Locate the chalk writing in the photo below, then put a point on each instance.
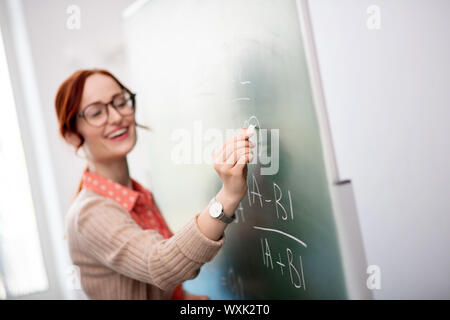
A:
(295, 266)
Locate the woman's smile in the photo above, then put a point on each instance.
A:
(118, 134)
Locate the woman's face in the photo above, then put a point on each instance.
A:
(99, 145)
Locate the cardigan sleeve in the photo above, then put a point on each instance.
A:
(108, 233)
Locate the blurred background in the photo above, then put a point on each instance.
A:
(39, 171)
(386, 90)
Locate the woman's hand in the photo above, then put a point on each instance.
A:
(230, 162)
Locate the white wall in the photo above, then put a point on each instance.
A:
(388, 97)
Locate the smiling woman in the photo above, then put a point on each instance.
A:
(73, 105)
(118, 238)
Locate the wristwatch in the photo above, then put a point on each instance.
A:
(216, 211)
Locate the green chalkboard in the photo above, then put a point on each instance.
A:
(202, 69)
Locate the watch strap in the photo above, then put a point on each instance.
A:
(225, 218)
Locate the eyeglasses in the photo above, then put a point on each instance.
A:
(97, 114)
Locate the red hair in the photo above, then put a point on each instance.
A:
(68, 100)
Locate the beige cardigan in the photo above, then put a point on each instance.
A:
(119, 260)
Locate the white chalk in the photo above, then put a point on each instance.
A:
(251, 129)
(252, 138)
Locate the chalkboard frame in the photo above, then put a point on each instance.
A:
(341, 191)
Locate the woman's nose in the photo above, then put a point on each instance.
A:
(113, 114)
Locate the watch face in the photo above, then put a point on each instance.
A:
(215, 209)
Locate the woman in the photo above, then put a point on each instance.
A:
(117, 236)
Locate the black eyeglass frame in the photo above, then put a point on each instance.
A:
(132, 98)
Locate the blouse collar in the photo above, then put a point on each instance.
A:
(126, 197)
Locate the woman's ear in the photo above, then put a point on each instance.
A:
(73, 139)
